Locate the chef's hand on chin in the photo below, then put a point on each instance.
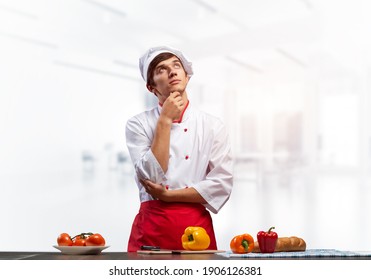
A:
(157, 191)
(173, 106)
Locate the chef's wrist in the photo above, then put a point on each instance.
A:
(166, 196)
(165, 120)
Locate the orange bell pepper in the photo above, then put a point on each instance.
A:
(195, 238)
(242, 244)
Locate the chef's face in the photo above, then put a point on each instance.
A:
(169, 76)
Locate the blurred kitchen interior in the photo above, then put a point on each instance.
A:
(290, 78)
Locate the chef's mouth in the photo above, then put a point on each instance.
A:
(174, 82)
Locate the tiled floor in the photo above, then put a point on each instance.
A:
(327, 210)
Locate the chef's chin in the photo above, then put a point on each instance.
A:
(178, 89)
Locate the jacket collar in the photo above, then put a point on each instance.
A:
(185, 114)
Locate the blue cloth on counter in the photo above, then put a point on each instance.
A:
(310, 253)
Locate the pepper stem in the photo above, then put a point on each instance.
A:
(245, 245)
(269, 230)
(190, 237)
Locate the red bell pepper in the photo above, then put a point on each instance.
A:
(267, 241)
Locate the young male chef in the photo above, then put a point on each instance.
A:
(182, 157)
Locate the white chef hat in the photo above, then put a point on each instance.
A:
(147, 58)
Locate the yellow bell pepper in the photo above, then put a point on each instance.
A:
(195, 238)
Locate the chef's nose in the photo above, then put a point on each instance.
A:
(172, 72)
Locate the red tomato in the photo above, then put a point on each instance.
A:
(95, 240)
(79, 241)
(64, 239)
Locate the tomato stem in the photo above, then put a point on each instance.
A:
(83, 235)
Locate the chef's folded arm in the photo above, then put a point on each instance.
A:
(145, 163)
(148, 168)
(215, 188)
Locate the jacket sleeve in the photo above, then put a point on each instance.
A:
(139, 145)
(217, 185)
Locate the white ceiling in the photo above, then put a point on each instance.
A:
(260, 36)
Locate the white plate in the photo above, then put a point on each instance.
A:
(80, 250)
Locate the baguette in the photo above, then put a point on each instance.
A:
(286, 244)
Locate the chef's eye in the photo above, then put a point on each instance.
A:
(177, 65)
(160, 70)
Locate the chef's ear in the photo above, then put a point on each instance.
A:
(151, 89)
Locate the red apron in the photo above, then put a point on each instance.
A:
(162, 224)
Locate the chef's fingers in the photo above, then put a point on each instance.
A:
(175, 94)
(151, 184)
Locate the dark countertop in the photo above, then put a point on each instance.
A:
(134, 256)
(105, 256)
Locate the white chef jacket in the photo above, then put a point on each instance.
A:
(200, 155)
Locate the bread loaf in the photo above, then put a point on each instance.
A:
(286, 244)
